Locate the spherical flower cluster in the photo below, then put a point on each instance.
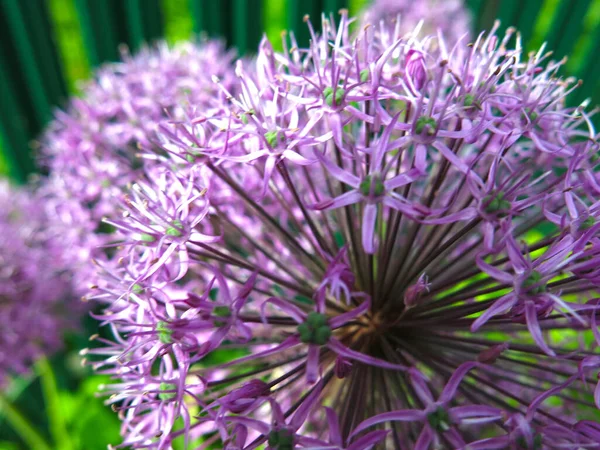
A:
(379, 240)
(450, 17)
(36, 302)
(92, 149)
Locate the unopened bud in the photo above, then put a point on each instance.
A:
(342, 367)
(414, 293)
(490, 355)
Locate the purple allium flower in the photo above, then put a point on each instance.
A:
(450, 17)
(92, 149)
(375, 241)
(36, 301)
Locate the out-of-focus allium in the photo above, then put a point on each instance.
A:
(348, 257)
(36, 301)
(92, 149)
(451, 17)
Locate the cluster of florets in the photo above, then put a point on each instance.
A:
(449, 17)
(36, 302)
(377, 240)
(92, 150)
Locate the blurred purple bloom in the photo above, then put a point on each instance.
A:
(37, 304)
(450, 17)
(92, 149)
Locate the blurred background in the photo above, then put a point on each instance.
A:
(49, 47)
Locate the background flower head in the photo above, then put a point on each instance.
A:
(37, 302)
(92, 150)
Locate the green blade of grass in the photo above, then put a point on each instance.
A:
(21, 425)
(56, 418)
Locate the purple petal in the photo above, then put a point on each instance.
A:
(306, 407)
(312, 363)
(493, 271)
(534, 328)
(368, 228)
(367, 441)
(340, 320)
(456, 378)
(544, 395)
(342, 350)
(517, 259)
(297, 158)
(383, 142)
(346, 199)
(257, 425)
(498, 307)
(424, 439)
(496, 443)
(474, 414)
(277, 414)
(398, 205)
(161, 261)
(339, 173)
(419, 384)
(421, 158)
(290, 309)
(269, 167)
(402, 415)
(455, 160)
(333, 423)
(402, 179)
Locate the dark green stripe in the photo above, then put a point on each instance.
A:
(571, 27)
(296, 11)
(135, 22)
(30, 69)
(474, 7)
(247, 26)
(143, 22)
(525, 19)
(99, 30)
(488, 15)
(13, 127)
(153, 19)
(507, 11)
(590, 73)
(334, 6)
(69, 39)
(44, 44)
(213, 18)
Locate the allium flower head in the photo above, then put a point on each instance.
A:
(92, 149)
(36, 301)
(380, 240)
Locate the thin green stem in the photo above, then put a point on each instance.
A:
(56, 418)
(21, 425)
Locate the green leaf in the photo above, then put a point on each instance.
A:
(21, 425)
(92, 424)
(54, 407)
